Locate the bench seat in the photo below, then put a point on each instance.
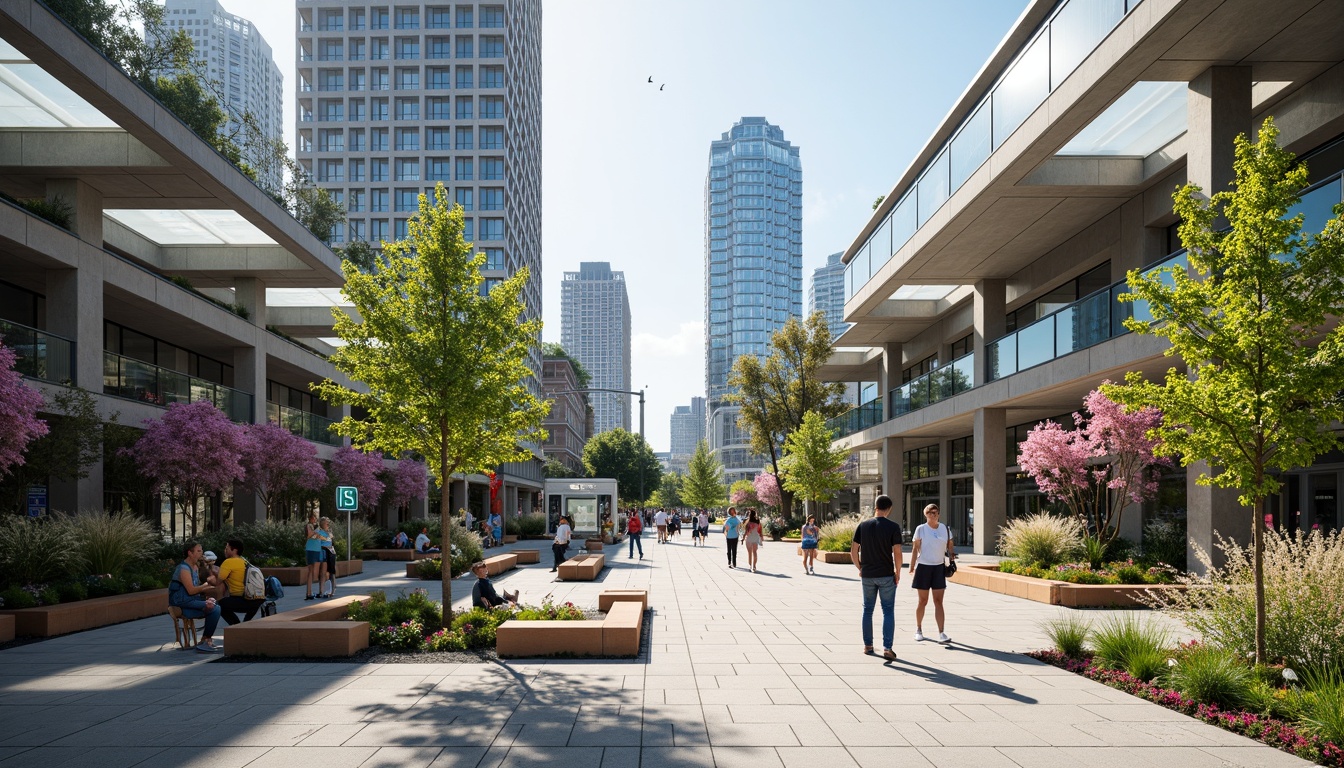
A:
(582, 567)
(314, 631)
(527, 556)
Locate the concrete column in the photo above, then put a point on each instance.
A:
(251, 293)
(890, 376)
(990, 497)
(1139, 244)
(249, 375)
(1210, 511)
(75, 311)
(86, 207)
(1217, 109)
(893, 474)
(989, 320)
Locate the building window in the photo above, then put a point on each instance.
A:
(464, 77)
(494, 258)
(492, 199)
(492, 17)
(492, 169)
(492, 47)
(437, 108)
(356, 170)
(438, 169)
(492, 137)
(408, 48)
(464, 198)
(378, 109)
(463, 170)
(358, 201)
(408, 18)
(378, 140)
(466, 47)
(439, 48)
(438, 79)
(408, 170)
(464, 17)
(408, 109)
(438, 18)
(378, 169)
(962, 346)
(492, 229)
(378, 230)
(408, 200)
(330, 170)
(438, 138)
(492, 77)
(379, 18)
(961, 455)
(492, 107)
(464, 138)
(378, 200)
(464, 106)
(408, 79)
(921, 463)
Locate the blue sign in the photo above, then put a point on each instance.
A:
(37, 500)
(347, 498)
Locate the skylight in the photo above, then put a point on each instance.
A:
(303, 297)
(922, 292)
(31, 98)
(1139, 123)
(179, 227)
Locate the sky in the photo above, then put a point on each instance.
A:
(859, 85)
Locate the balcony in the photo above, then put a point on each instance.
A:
(41, 355)
(857, 419)
(146, 383)
(307, 425)
(936, 385)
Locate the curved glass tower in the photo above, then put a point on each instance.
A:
(753, 267)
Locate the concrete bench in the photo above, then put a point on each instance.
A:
(500, 563)
(593, 545)
(314, 631)
(297, 576)
(582, 567)
(616, 634)
(395, 554)
(527, 556)
(63, 618)
(621, 628)
(6, 627)
(612, 596)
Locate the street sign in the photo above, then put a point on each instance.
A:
(347, 498)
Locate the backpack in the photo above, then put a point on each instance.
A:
(274, 591)
(254, 583)
(633, 525)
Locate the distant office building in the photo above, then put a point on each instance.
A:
(827, 293)
(231, 54)
(569, 423)
(753, 267)
(687, 429)
(595, 329)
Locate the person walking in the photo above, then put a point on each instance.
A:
(633, 528)
(876, 552)
(730, 530)
(811, 534)
(702, 522)
(561, 543)
(932, 542)
(660, 522)
(753, 536)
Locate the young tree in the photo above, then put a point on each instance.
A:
(703, 485)
(743, 494)
(405, 482)
(812, 466)
(624, 455)
(277, 463)
(192, 450)
(1101, 467)
(767, 489)
(19, 404)
(446, 364)
(775, 393)
(363, 470)
(669, 492)
(1257, 329)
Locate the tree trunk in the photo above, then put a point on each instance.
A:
(1258, 543)
(445, 537)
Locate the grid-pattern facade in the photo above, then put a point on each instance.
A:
(688, 427)
(827, 293)
(233, 56)
(595, 329)
(753, 266)
(568, 422)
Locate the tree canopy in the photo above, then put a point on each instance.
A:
(622, 455)
(812, 467)
(703, 485)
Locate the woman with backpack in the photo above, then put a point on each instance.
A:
(752, 537)
(633, 528)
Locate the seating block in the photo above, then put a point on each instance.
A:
(500, 563)
(582, 567)
(315, 631)
(526, 556)
(6, 627)
(64, 618)
(395, 554)
(593, 545)
(620, 629)
(617, 634)
(607, 598)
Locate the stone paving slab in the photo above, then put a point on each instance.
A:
(741, 669)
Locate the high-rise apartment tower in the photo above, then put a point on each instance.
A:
(827, 293)
(595, 330)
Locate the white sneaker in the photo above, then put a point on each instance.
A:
(943, 638)
(919, 636)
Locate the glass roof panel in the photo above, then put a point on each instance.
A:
(922, 292)
(1139, 123)
(303, 297)
(202, 227)
(30, 97)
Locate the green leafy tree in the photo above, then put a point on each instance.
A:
(73, 442)
(669, 491)
(776, 392)
(703, 486)
(1257, 330)
(812, 466)
(555, 468)
(445, 365)
(361, 254)
(623, 455)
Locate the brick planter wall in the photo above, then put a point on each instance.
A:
(52, 620)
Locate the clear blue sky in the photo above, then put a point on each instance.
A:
(859, 85)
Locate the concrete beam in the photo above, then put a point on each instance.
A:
(1065, 171)
(305, 321)
(74, 150)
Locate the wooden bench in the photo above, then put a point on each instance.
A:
(616, 634)
(582, 567)
(621, 628)
(612, 596)
(64, 618)
(313, 631)
(395, 554)
(593, 545)
(500, 563)
(6, 627)
(527, 556)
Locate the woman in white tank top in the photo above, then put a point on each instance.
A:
(932, 542)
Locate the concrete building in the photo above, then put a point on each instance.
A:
(753, 268)
(982, 292)
(237, 63)
(393, 100)
(595, 329)
(570, 422)
(102, 303)
(687, 430)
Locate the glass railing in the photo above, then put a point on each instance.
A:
(136, 380)
(307, 425)
(40, 355)
(936, 385)
(1073, 31)
(1090, 320)
(857, 419)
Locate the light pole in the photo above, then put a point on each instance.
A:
(639, 392)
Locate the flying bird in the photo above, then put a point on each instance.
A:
(650, 78)
(661, 87)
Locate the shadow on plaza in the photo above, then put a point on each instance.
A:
(950, 680)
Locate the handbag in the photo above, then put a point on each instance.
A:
(951, 568)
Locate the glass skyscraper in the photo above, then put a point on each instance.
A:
(753, 267)
(827, 293)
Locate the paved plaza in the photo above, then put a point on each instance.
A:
(754, 670)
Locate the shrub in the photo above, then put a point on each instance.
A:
(1077, 573)
(511, 527)
(1321, 706)
(533, 524)
(56, 210)
(446, 640)
(362, 536)
(465, 548)
(1129, 573)
(17, 597)
(380, 612)
(1304, 599)
(478, 626)
(72, 591)
(273, 539)
(776, 527)
(1093, 551)
(1041, 539)
(406, 636)
(1211, 675)
(1068, 634)
(1164, 541)
(111, 543)
(1147, 664)
(35, 551)
(550, 612)
(1125, 640)
(838, 534)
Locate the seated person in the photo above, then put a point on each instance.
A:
(209, 571)
(401, 540)
(185, 591)
(230, 595)
(487, 539)
(483, 594)
(422, 542)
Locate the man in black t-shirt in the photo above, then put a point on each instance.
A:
(876, 552)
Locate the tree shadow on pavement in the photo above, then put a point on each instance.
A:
(950, 680)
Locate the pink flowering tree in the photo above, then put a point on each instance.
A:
(278, 465)
(743, 494)
(191, 451)
(1101, 467)
(408, 480)
(767, 489)
(360, 469)
(19, 404)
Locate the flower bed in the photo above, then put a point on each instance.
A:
(1268, 730)
(1055, 592)
(1119, 572)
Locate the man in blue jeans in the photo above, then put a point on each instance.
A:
(876, 552)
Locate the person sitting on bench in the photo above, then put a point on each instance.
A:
(422, 542)
(401, 540)
(483, 594)
(232, 574)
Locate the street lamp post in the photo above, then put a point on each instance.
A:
(639, 392)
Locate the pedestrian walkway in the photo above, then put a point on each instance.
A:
(756, 670)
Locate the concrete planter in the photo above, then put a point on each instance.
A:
(314, 631)
(617, 634)
(6, 628)
(53, 620)
(593, 545)
(1052, 592)
(834, 558)
(297, 576)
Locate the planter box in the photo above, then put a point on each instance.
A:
(316, 631)
(500, 563)
(617, 634)
(1053, 592)
(510, 538)
(582, 568)
(593, 545)
(297, 576)
(395, 554)
(834, 558)
(52, 620)
(613, 596)
(6, 628)
(527, 556)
